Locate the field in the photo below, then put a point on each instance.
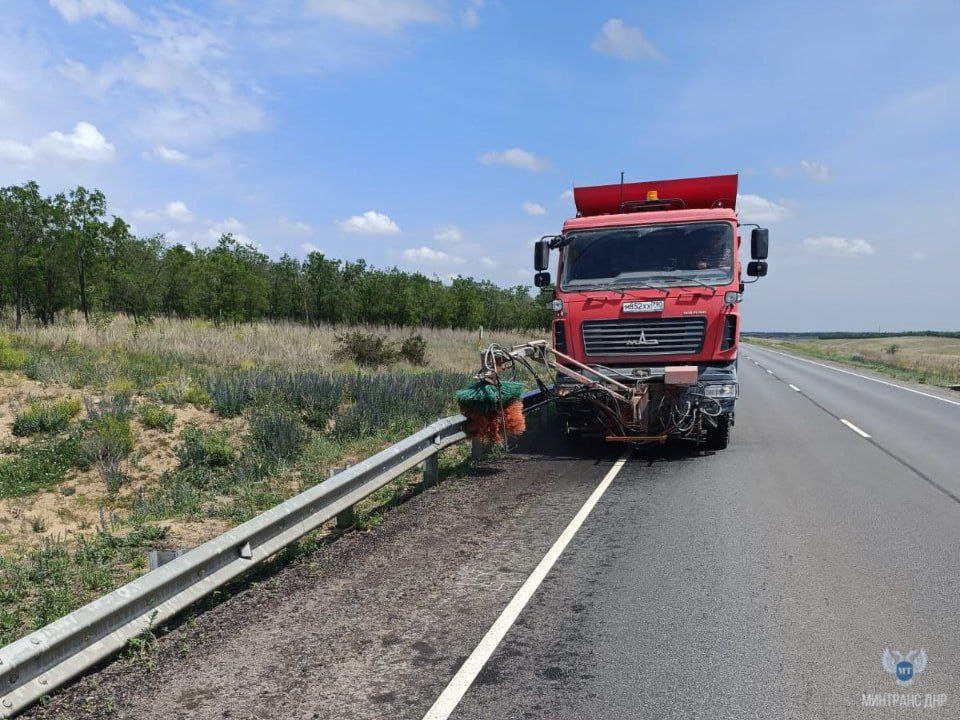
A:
(117, 438)
(926, 359)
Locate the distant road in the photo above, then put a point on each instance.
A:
(764, 581)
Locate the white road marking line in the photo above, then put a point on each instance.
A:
(794, 387)
(853, 427)
(461, 682)
(865, 377)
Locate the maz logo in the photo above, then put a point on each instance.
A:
(642, 340)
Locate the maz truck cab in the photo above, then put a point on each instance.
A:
(648, 288)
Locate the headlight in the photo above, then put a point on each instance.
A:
(556, 305)
(726, 390)
(732, 297)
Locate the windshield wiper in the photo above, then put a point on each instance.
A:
(686, 280)
(643, 284)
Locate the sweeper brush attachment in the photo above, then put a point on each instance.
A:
(493, 408)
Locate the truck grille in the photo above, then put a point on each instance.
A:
(663, 336)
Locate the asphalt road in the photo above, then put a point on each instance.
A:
(760, 582)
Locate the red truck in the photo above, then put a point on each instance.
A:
(648, 294)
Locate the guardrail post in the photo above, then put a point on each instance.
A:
(431, 470)
(478, 451)
(346, 518)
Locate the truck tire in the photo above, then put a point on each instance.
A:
(717, 438)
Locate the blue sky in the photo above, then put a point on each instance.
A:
(440, 135)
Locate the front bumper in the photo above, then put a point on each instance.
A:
(717, 376)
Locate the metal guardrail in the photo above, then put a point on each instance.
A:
(40, 662)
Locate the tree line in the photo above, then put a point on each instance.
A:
(64, 253)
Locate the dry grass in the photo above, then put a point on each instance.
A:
(281, 345)
(935, 360)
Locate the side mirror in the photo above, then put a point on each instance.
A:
(541, 256)
(542, 279)
(757, 269)
(759, 243)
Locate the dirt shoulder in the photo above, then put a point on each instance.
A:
(373, 625)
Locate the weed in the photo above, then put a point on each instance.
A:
(117, 405)
(205, 447)
(46, 416)
(197, 396)
(891, 349)
(109, 436)
(38, 524)
(276, 433)
(157, 417)
(142, 648)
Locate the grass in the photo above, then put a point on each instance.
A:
(55, 578)
(924, 359)
(264, 410)
(41, 466)
(46, 416)
(163, 345)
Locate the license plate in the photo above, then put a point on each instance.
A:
(643, 306)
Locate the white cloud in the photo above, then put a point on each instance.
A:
(309, 247)
(84, 144)
(370, 223)
(818, 171)
(426, 254)
(532, 208)
(178, 211)
(515, 157)
(487, 262)
(184, 83)
(754, 208)
(471, 14)
(448, 233)
(164, 154)
(113, 11)
(566, 196)
(294, 227)
(625, 42)
(380, 15)
(838, 246)
(229, 226)
(16, 152)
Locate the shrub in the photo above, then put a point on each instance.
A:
(110, 438)
(119, 405)
(197, 396)
(366, 349)
(414, 350)
(46, 416)
(171, 392)
(12, 358)
(891, 349)
(277, 433)
(157, 417)
(208, 448)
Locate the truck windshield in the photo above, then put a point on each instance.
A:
(700, 253)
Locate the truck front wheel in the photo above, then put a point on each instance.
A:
(717, 438)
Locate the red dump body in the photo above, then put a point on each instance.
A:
(696, 325)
